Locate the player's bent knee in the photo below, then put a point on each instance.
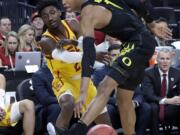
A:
(26, 105)
(67, 101)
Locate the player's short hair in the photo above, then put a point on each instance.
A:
(114, 47)
(45, 3)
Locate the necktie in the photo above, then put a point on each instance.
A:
(163, 94)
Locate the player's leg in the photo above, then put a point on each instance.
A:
(127, 111)
(25, 107)
(99, 102)
(103, 118)
(66, 102)
(96, 106)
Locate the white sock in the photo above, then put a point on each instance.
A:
(51, 129)
(2, 98)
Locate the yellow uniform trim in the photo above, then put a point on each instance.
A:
(108, 2)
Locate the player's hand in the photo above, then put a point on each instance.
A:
(82, 97)
(103, 57)
(64, 42)
(2, 113)
(79, 105)
(161, 31)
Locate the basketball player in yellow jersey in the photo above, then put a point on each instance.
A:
(64, 63)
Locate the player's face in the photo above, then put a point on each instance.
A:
(72, 5)
(51, 16)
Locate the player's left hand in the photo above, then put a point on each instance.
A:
(79, 105)
(161, 31)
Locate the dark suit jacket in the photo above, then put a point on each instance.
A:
(138, 95)
(42, 84)
(151, 84)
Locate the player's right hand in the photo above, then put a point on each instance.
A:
(79, 105)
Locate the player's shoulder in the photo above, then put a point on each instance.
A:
(88, 12)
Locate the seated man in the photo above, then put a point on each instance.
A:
(10, 115)
(143, 111)
(161, 86)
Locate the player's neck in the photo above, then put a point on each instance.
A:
(59, 32)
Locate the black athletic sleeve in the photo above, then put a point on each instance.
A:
(89, 56)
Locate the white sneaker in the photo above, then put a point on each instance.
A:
(51, 129)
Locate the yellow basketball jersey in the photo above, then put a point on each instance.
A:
(60, 68)
(67, 77)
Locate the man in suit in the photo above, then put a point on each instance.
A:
(143, 111)
(41, 81)
(161, 86)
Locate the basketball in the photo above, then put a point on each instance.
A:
(102, 129)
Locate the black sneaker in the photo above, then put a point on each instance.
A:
(78, 129)
(53, 130)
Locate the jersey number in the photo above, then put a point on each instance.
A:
(77, 67)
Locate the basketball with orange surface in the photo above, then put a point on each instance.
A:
(102, 129)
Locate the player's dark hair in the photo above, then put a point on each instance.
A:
(114, 47)
(44, 3)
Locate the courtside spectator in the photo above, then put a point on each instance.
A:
(5, 27)
(161, 87)
(38, 24)
(26, 34)
(11, 45)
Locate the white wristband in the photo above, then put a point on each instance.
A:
(69, 57)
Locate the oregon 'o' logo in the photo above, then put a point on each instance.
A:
(127, 61)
